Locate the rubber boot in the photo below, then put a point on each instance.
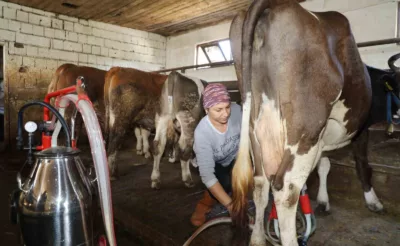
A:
(202, 208)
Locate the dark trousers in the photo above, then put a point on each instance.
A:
(224, 176)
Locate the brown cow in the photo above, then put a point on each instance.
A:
(66, 76)
(131, 98)
(298, 72)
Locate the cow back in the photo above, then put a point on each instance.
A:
(147, 82)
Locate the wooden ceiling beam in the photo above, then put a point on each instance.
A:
(166, 17)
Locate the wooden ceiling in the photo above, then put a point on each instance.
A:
(165, 17)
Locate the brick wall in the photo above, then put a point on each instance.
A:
(37, 42)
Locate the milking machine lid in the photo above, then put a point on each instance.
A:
(57, 152)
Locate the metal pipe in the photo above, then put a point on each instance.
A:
(214, 64)
(378, 42)
(228, 63)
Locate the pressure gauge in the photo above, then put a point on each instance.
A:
(30, 126)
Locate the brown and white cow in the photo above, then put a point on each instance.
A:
(298, 72)
(180, 112)
(131, 99)
(66, 76)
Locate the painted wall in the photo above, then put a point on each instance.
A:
(369, 19)
(37, 42)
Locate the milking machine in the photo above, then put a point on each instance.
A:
(54, 204)
(305, 222)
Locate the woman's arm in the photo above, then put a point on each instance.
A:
(219, 193)
(206, 163)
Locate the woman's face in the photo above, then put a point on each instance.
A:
(220, 112)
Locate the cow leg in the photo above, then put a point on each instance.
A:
(160, 140)
(287, 197)
(138, 141)
(185, 144)
(364, 171)
(145, 137)
(261, 195)
(119, 122)
(322, 197)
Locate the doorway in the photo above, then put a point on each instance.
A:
(2, 128)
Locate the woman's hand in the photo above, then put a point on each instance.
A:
(222, 197)
(229, 207)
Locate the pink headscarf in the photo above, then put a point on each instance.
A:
(215, 93)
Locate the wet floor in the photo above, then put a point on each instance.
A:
(161, 217)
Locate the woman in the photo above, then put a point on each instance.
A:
(216, 143)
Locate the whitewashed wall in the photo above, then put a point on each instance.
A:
(181, 52)
(37, 42)
(370, 20)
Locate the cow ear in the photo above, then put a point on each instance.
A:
(391, 62)
(388, 82)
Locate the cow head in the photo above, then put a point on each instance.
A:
(394, 79)
(396, 75)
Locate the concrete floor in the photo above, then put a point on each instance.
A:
(161, 217)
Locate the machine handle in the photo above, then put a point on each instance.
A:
(19, 178)
(20, 184)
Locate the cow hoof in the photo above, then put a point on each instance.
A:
(322, 210)
(189, 184)
(147, 155)
(155, 185)
(171, 160)
(376, 208)
(139, 152)
(256, 241)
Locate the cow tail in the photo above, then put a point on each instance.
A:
(242, 173)
(53, 83)
(107, 106)
(391, 62)
(170, 124)
(170, 134)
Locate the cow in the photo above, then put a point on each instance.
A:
(377, 114)
(298, 72)
(131, 98)
(66, 75)
(179, 113)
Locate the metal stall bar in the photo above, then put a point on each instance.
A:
(379, 42)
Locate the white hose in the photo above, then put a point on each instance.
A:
(218, 221)
(308, 223)
(57, 129)
(100, 161)
(210, 223)
(276, 228)
(73, 124)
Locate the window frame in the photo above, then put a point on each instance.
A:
(205, 45)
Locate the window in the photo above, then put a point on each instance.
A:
(216, 51)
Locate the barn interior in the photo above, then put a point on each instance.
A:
(190, 37)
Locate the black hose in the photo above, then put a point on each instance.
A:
(20, 141)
